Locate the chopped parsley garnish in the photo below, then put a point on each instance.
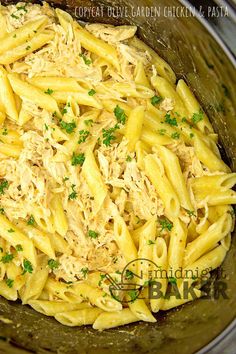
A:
(84, 271)
(19, 248)
(23, 8)
(5, 131)
(165, 224)
(69, 127)
(77, 159)
(191, 212)
(120, 114)
(9, 282)
(46, 126)
(14, 16)
(161, 131)
(108, 135)
(184, 120)
(11, 230)
(91, 92)
(28, 47)
(64, 111)
(3, 185)
(53, 264)
(150, 242)
(27, 267)
(128, 158)
(2, 211)
(31, 220)
(65, 179)
(175, 135)
(129, 274)
(102, 276)
(170, 121)
(7, 258)
(191, 135)
(1, 249)
(93, 234)
(49, 91)
(172, 280)
(226, 90)
(73, 194)
(197, 117)
(83, 136)
(133, 294)
(88, 122)
(85, 59)
(155, 100)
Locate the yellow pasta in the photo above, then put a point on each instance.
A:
(113, 319)
(163, 186)
(113, 192)
(95, 45)
(32, 93)
(25, 49)
(7, 97)
(174, 173)
(14, 236)
(21, 34)
(134, 127)
(193, 106)
(93, 178)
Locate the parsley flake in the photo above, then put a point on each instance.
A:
(9, 282)
(150, 242)
(197, 117)
(77, 159)
(120, 114)
(91, 92)
(3, 185)
(73, 194)
(175, 135)
(31, 220)
(83, 136)
(191, 212)
(84, 271)
(128, 158)
(11, 230)
(53, 264)
(85, 59)
(129, 274)
(108, 135)
(5, 131)
(19, 248)
(27, 267)
(88, 122)
(165, 224)
(133, 294)
(93, 234)
(7, 258)
(2, 211)
(161, 131)
(69, 127)
(49, 91)
(172, 280)
(102, 276)
(170, 121)
(155, 100)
